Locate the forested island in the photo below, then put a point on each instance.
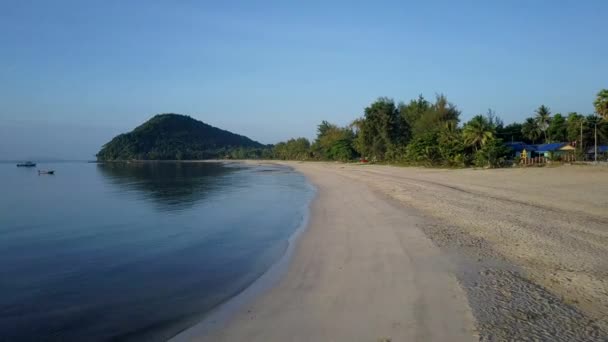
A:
(419, 132)
(177, 137)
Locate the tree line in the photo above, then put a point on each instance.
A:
(423, 132)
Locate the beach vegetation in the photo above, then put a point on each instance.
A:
(492, 154)
(419, 132)
(333, 143)
(543, 118)
(512, 132)
(557, 130)
(478, 132)
(531, 130)
(293, 149)
(601, 103)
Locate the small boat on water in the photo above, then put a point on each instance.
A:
(26, 164)
(46, 172)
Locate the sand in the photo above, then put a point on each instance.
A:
(408, 254)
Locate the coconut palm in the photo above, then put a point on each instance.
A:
(543, 117)
(601, 104)
(531, 130)
(478, 132)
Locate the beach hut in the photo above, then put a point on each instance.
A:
(555, 150)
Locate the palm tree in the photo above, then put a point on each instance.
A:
(543, 116)
(531, 130)
(601, 104)
(478, 132)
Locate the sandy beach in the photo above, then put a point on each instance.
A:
(408, 254)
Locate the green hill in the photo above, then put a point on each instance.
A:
(174, 137)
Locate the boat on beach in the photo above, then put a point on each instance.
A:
(46, 172)
(26, 164)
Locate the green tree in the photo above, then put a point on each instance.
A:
(494, 120)
(440, 147)
(439, 113)
(574, 123)
(493, 154)
(511, 132)
(601, 103)
(478, 132)
(292, 149)
(452, 149)
(593, 122)
(414, 110)
(424, 149)
(543, 117)
(324, 127)
(531, 130)
(334, 143)
(381, 130)
(558, 129)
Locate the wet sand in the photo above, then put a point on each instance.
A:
(407, 254)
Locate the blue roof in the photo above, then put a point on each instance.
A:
(519, 146)
(550, 147)
(600, 149)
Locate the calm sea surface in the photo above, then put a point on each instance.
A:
(136, 251)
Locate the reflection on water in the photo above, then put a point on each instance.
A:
(136, 251)
(173, 186)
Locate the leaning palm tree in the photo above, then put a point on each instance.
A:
(601, 104)
(543, 117)
(530, 130)
(478, 132)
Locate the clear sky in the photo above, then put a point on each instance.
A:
(75, 73)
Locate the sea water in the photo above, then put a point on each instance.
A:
(136, 251)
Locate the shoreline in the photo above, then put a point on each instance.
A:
(428, 254)
(348, 282)
(219, 316)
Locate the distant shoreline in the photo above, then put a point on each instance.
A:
(165, 161)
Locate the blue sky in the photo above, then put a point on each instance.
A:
(75, 73)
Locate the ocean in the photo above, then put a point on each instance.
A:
(137, 251)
